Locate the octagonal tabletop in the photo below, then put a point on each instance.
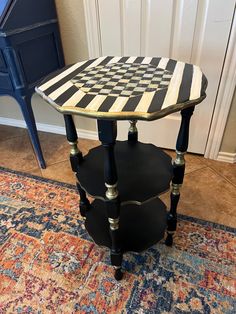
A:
(142, 88)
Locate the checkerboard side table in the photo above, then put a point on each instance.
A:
(125, 178)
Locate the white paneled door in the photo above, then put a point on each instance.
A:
(195, 31)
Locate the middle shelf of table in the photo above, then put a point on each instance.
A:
(144, 172)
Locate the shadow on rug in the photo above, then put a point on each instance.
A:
(48, 263)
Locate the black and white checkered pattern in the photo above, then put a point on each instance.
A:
(125, 87)
(122, 79)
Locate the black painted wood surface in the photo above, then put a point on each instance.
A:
(144, 171)
(107, 132)
(183, 136)
(141, 226)
(178, 173)
(71, 133)
(17, 14)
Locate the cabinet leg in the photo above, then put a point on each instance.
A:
(178, 173)
(133, 132)
(107, 131)
(26, 109)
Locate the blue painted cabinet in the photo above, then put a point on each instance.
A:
(30, 49)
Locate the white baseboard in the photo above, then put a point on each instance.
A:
(227, 157)
(82, 133)
(91, 135)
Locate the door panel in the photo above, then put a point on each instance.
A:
(156, 27)
(214, 19)
(110, 27)
(131, 27)
(195, 31)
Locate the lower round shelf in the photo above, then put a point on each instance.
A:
(141, 226)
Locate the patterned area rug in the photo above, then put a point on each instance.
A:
(49, 264)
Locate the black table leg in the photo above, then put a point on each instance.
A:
(107, 131)
(76, 158)
(133, 132)
(178, 170)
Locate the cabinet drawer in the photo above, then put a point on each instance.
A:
(2, 62)
(5, 81)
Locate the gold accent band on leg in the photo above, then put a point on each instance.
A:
(74, 150)
(133, 128)
(170, 232)
(114, 223)
(111, 192)
(179, 160)
(176, 189)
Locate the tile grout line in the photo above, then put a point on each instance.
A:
(11, 138)
(55, 163)
(196, 170)
(14, 137)
(206, 165)
(222, 176)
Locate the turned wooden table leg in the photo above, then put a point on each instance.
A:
(178, 173)
(76, 158)
(133, 132)
(107, 135)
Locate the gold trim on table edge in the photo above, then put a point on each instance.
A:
(129, 202)
(123, 115)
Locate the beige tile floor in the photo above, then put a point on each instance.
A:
(208, 192)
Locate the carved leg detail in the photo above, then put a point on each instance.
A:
(84, 203)
(107, 135)
(113, 210)
(76, 158)
(133, 132)
(178, 173)
(172, 215)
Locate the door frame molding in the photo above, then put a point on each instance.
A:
(91, 12)
(224, 98)
(226, 86)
